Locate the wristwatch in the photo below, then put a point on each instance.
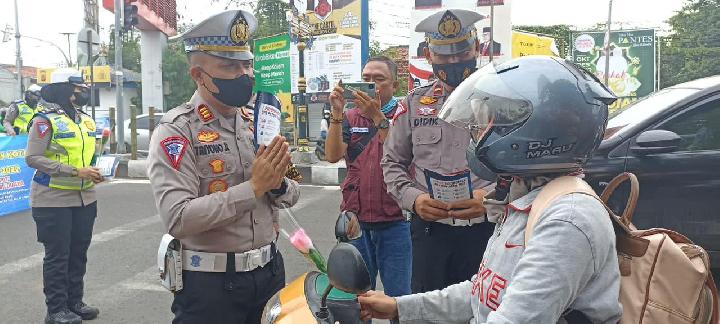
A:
(383, 124)
(75, 172)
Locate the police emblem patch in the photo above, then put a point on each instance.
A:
(449, 25)
(195, 261)
(401, 109)
(175, 148)
(425, 100)
(217, 165)
(218, 185)
(426, 111)
(42, 128)
(90, 125)
(205, 113)
(239, 30)
(208, 136)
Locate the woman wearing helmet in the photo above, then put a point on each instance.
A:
(61, 147)
(532, 120)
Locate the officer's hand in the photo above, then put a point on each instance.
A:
(375, 304)
(265, 173)
(337, 101)
(430, 209)
(89, 173)
(370, 107)
(470, 208)
(10, 131)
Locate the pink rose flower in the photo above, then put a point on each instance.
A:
(301, 241)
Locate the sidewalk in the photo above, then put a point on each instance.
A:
(316, 172)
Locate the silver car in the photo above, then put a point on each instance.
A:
(143, 132)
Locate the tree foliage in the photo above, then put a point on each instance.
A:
(271, 18)
(693, 49)
(130, 50)
(561, 33)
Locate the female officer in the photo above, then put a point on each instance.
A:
(61, 147)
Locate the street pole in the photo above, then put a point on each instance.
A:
(607, 44)
(69, 53)
(91, 63)
(119, 79)
(301, 115)
(18, 62)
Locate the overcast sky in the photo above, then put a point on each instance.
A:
(46, 19)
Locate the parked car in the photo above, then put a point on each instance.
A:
(143, 132)
(671, 141)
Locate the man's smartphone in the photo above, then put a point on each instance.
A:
(367, 87)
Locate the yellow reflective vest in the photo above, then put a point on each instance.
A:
(73, 144)
(25, 115)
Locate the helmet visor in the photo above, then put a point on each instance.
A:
(483, 102)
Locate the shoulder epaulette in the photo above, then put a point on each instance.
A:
(176, 112)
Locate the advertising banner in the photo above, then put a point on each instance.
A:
(631, 66)
(524, 44)
(272, 63)
(421, 70)
(333, 57)
(15, 175)
(102, 74)
(335, 52)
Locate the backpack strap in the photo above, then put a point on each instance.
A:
(357, 148)
(553, 190)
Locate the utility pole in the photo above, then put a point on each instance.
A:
(69, 53)
(607, 44)
(18, 59)
(119, 78)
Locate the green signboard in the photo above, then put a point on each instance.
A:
(631, 65)
(272, 64)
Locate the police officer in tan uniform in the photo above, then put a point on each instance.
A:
(61, 148)
(214, 192)
(448, 238)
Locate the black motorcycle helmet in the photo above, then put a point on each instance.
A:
(534, 115)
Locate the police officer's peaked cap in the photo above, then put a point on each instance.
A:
(450, 31)
(226, 35)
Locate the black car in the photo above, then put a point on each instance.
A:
(671, 141)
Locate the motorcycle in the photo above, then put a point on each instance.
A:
(325, 298)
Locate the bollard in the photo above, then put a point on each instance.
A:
(133, 132)
(151, 122)
(113, 140)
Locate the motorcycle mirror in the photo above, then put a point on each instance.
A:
(347, 227)
(347, 270)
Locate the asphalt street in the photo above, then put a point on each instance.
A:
(122, 278)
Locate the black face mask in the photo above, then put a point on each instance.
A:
(31, 100)
(453, 74)
(81, 99)
(233, 92)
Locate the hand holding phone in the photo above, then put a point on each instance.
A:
(350, 87)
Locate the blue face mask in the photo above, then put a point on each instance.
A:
(389, 106)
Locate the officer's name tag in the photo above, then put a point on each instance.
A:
(359, 130)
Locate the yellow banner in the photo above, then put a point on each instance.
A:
(287, 106)
(102, 74)
(344, 20)
(524, 44)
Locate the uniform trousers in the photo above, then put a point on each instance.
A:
(66, 233)
(217, 298)
(444, 255)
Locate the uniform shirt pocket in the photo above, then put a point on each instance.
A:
(426, 147)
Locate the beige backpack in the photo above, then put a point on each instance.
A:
(665, 278)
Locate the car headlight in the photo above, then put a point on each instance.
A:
(272, 309)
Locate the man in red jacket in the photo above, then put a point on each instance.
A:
(358, 135)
